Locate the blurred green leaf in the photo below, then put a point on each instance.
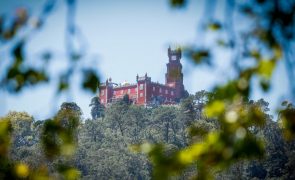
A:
(214, 109)
(255, 54)
(68, 172)
(18, 53)
(178, 3)
(214, 26)
(22, 170)
(5, 133)
(231, 90)
(264, 84)
(265, 68)
(63, 82)
(90, 80)
(199, 56)
(58, 136)
(287, 118)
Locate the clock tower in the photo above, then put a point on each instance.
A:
(174, 76)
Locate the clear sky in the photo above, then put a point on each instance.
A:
(123, 38)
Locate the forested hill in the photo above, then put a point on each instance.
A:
(104, 142)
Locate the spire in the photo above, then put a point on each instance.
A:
(169, 51)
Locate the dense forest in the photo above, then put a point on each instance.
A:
(106, 143)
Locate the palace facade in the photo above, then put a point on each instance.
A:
(145, 91)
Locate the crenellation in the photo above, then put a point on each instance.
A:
(145, 91)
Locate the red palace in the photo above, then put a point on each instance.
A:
(145, 91)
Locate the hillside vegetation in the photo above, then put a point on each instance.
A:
(106, 145)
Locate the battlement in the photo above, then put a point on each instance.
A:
(144, 91)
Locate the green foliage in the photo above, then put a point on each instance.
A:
(218, 149)
(214, 26)
(19, 72)
(221, 143)
(287, 120)
(178, 3)
(97, 109)
(91, 80)
(5, 133)
(236, 117)
(59, 133)
(58, 139)
(175, 139)
(19, 75)
(199, 56)
(126, 99)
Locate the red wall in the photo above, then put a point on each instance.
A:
(149, 90)
(154, 90)
(119, 92)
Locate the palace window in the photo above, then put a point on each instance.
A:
(128, 91)
(102, 92)
(173, 57)
(141, 95)
(154, 88)
(172, 93)
(160, 90)
(141, 87)
(166, 91)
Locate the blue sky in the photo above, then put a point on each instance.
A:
(123, 38)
